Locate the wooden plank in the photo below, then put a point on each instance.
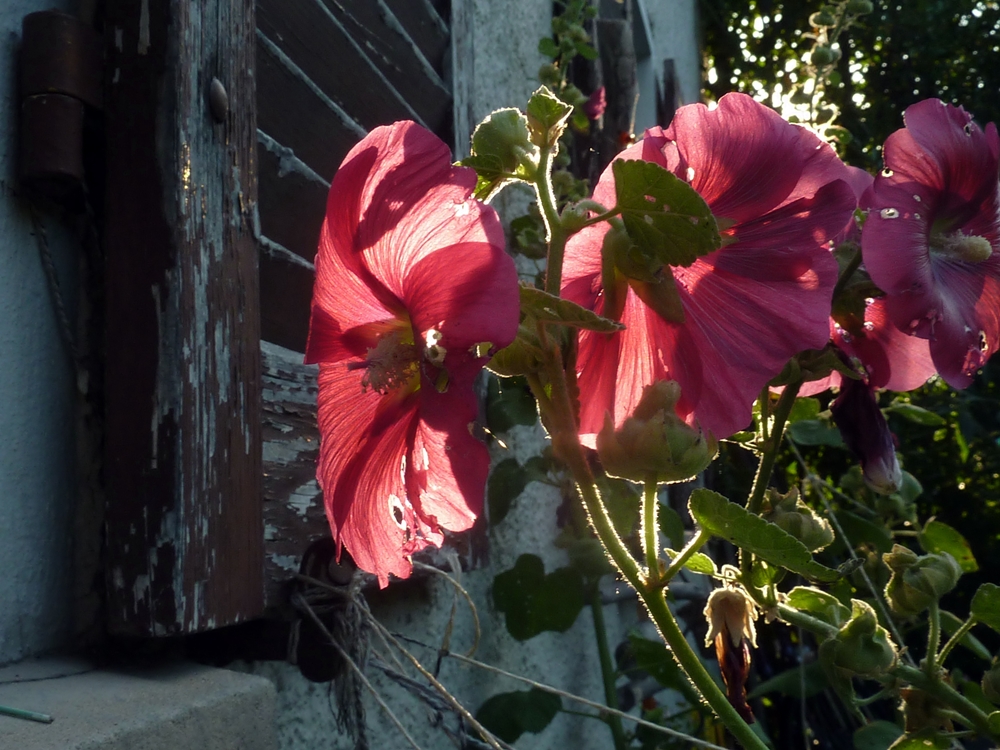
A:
(425, 27)
(317, 45)
(390, 48)
(292, 201)
(286, 283)
(291, 112)
(184, 529)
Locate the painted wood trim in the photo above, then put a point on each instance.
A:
(184, 534)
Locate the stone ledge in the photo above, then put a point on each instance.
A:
(179, 705)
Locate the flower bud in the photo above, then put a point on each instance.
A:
(867, 435)
(823, 55)
(822, 18)
(792, 515)
(861, 648)
(654, 440)
(549, 75)
(991, 682)
(918, 581)
(860, 7)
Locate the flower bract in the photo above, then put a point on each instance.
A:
(779, 195)
(413, 292)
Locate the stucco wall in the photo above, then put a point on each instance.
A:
(37, 397)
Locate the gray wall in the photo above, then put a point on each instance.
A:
(37, 400)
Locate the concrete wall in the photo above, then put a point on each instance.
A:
(37, 399)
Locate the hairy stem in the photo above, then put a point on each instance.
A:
(607, 670)
(555, 233)
(696, 543)
(955, 639)
(933, 639)
(650, 535)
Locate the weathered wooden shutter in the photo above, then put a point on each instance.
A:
(327, 72)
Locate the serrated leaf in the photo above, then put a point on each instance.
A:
(507, 480)
(671, 525)
(917, 415)
(533, 601)
(803, 408)
(940, 537)
(699, 562)
(815, 432)
(825, 606)
(791, 682)
(548, 47)
(665, 217)
(950, 623)
(986, 605)
(502, 151)
(878, 735)
(721, 518)
(547, 116)
(544, 306)
(509, 715)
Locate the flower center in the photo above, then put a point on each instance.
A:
(391, 364)
(957, 246)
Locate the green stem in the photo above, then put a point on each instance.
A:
(599, 218)
(956, 637)
(650, 535)
(807, 622)
(607, 670)
(555, 233)
(853, 264)
(700, 538)
(933, 639)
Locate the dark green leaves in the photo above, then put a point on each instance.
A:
(792, 681)
(508, 480)
(986, 605)
(815, 432)
(732, 522)
(509, 715)
(878, 735)
(665, 217)
(534, 602)
(509, 402)
(940, 537)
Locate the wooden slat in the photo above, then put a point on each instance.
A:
(184, 542)
(315, 42)
(285, 294)
(390, 48)
(292, 203)
(424, 25)
(291, 113)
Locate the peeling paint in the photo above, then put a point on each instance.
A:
(304, 497)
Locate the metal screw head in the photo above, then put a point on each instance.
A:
(218, 100)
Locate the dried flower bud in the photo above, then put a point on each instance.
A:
(730, 614)
(923, 711)
(918, 581)
(789, 513)
(654, 440)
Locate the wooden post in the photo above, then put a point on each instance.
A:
(184, 530)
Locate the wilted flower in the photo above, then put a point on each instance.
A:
(779, 195)
(730, 614)
(413, 291)
(932, 230)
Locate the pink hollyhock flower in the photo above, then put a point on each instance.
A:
(597, 102)
(413, 291)
(779, 195)
(931, 236)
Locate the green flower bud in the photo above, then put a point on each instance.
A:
(654, 440)
(860, 7)
(991, 682)
(792, 515)
(549, 75)
(918, 581)
(862, 647)
(823, 55)
(823, 18)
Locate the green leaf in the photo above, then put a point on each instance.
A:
(926, 740)
(665, 217)
(734, 523)
(940, 537)
(791, 682)
(534, 602)
(547, 307)
(509, 715)
(586, 51)
(623, 503)
(917, 414)
(588, 557)
(858, 530)
(509, 402)
(655, 659)
(671, 525)
(548, 47)
(910, 489)
(815, 432)
(507, 480)
(803, 408)
(950, 623)
(985, 605)
(501, 151)
(699, 562)
(819, 603)
(878, 735)
(547, 115)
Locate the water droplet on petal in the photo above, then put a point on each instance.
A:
(869, 326)
(917, 198)
(968, 129)
(690, 174)
(914, 323)
(984, 345)
(889, 213)
(916, 216)
(887, 172)
(693, 219)
(462, 209)
(869, 301)
(846, 337)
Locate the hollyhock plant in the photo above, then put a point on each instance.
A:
(931, 236)
(413, 292)
(779, 195)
